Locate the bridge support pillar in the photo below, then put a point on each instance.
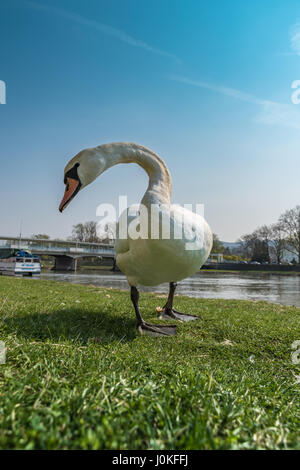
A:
(65, 263)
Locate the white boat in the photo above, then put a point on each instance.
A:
(20, 262)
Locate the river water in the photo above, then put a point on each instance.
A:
(282, 289)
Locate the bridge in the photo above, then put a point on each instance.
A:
(65, 252)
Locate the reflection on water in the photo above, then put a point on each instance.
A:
(283, 289)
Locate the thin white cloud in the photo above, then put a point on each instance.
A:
(240, 95)
(270, 112)
(102, 28)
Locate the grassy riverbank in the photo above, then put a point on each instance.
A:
(77, 375)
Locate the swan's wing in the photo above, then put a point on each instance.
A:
(162, 258)
(122, 239)
(121, 246)
(196, 234)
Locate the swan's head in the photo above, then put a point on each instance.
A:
(81, 171)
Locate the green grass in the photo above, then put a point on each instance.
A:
(77, 375)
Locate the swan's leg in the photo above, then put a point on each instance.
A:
(145, 328)
(170, 313)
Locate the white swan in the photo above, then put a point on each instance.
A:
(154, 257)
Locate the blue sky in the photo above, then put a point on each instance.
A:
(207, 85)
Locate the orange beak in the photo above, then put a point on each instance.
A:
(72, 188)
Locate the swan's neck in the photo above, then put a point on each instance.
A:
(160, 183)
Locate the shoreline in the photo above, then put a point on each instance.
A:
(206, 271)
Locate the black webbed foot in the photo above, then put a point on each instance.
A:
(156, 330)
(172, 314)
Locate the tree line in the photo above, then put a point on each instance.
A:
(271, 241)
(88, 232)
